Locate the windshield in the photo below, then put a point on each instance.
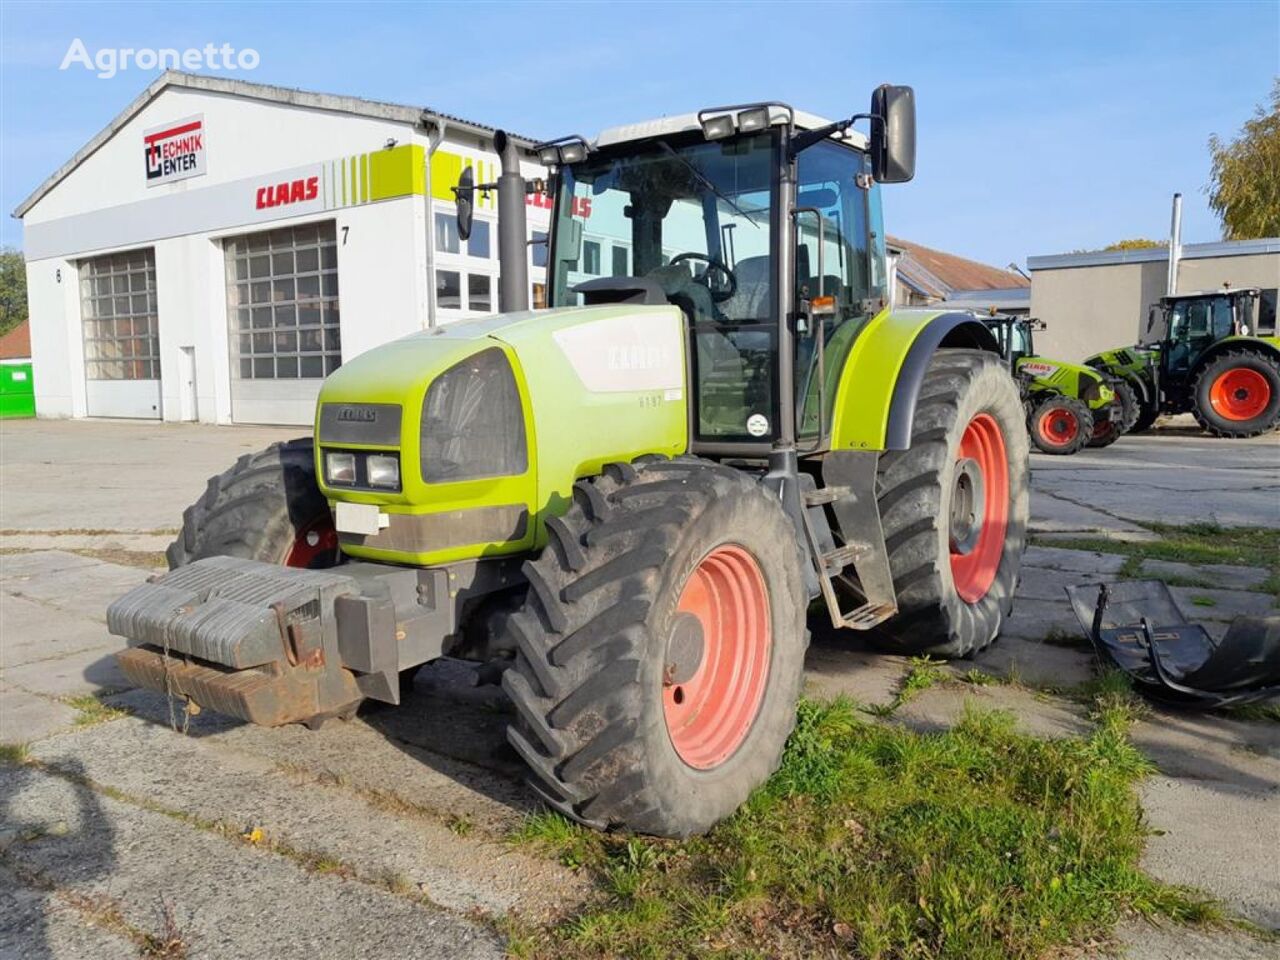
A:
(664, 211)
(696, 218)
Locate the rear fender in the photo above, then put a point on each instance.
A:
(875, 400)
(1266, 346)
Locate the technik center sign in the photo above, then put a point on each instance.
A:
(175, 150)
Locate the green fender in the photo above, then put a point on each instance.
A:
(1084, 383)
(1268, 346)
(885, 359)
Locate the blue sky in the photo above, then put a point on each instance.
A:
(1043, 127)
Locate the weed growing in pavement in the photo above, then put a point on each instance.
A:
(1202, 601)
(881, 842)
(1195, 543)
(12, 754)
(92, 709)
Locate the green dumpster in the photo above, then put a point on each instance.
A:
(17, 391)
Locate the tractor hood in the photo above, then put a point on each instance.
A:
(1071, 379)
(501, 413)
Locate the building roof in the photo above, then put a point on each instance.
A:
(16, 344)
(1190, 251)
(937, 274)
(1002, 298)
(333, 103)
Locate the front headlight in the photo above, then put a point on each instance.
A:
(340, 467)
(384, 471)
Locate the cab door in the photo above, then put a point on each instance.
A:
(1191, 331)
(835, 283)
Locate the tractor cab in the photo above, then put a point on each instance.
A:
(763, 225)
(1186, 325)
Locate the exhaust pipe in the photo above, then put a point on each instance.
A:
(1175, 246)
(513, 260)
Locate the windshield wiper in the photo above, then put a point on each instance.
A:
(707, 183)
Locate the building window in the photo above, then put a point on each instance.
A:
(478, 242)
(448, 290)
(591, 258)
(447, 233)
(480, 293)
(539, 248)
(282, 303)
(118, 303)
(620, 262)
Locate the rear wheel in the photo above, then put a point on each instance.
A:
(1237, 394)
(954, 508)
(267, 507)
(1059, 424)
(660, 649)
(1130, 405)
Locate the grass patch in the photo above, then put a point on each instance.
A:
(91, 709)
(13, 754)
(1255, 712)
(1202, 601)
(880, 842)
(1196, 543)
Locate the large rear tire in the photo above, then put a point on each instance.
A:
(266, 507)
(1237, 394)
(660, 650)
(954, 508)
(1060, 425)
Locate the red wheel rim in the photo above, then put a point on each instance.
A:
(709, 714)
(1058, 426)
(316, 546)
(975, 570)
(1102, 429)
(1240, 394)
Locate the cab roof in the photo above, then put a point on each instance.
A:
(684, 122)
(1227, 292)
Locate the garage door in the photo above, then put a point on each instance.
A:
(282, 304)
(121, 334)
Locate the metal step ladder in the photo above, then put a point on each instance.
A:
(874, 583)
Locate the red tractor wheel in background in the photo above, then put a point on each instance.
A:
(1060, 425)
(1237, 394)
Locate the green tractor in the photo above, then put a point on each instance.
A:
(624, 504)
(1068, 405)
(1204, 353)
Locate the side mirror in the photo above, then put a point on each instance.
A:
(893, 136)
(465, 194)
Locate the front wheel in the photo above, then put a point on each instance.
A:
(660, 649)
(1060, 425)
(266, 507)
(955, 507)
(1237, 394)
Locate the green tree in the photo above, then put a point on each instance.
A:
(13, 289)
(1137, 243)
(1244, 184)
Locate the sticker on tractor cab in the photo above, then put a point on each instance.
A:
(1038, 368)
(757, 425)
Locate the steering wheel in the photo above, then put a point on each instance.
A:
(719, 292)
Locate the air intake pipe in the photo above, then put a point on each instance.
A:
(513, 257)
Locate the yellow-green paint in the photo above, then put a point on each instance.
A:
(571, 432)
(864, 392)
(447, 167)
(398, 172)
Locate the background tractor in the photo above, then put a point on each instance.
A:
(624, 504)
(1205, 353)
(1068, 406)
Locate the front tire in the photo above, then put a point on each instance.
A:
(1060, 425)
(266, 507)
(1237, 394)
(660, 650)
(955, 507)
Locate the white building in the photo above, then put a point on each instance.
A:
(221, 246)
